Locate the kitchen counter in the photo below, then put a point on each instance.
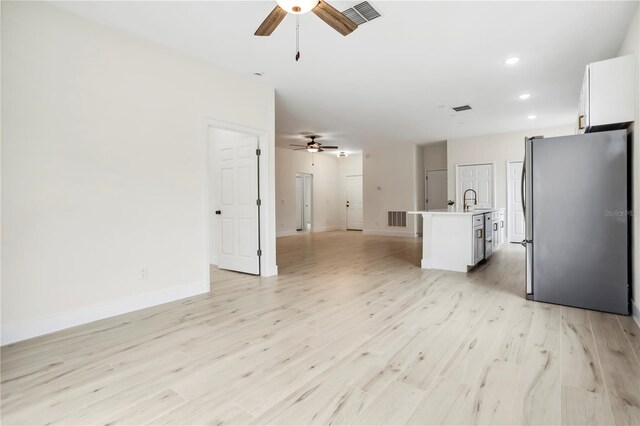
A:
(454, 212)
(456, 240)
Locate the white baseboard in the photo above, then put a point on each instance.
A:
(287, 233)
(11, 333)
(387, 233)
(322, 229)
(635, 312)
(327, 229)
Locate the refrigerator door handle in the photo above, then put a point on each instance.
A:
(522, 183)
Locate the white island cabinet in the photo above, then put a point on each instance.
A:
(455, 240)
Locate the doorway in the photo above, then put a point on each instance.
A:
(234, 201)
(515, 213)
(436, 190)
(304, 201)
(354, 203)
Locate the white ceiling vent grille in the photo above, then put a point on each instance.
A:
(361, 13)
(461, 108)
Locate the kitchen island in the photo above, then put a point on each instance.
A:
(459, 240)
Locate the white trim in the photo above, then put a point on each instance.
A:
(296, 232)
(384, 232)
(327, 229)
(27, 329)
(635, 312)
(289, 233)
(493, 180)
(268, 265)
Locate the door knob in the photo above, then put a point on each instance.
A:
(218, 212)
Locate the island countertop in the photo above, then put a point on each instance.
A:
(455, 212)
(456, 240)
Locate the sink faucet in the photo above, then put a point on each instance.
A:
(474, 199)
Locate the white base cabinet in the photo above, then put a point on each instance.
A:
(454, 241)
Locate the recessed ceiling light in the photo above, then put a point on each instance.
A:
(512, 61)
(531, 117)
(524, 96)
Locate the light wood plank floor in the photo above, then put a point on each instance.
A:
(351, 332)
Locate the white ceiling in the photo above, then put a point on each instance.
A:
(395, 79)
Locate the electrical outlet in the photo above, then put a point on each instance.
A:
(144, 273)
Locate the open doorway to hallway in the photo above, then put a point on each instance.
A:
(304, 200)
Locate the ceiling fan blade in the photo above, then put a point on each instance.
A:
(299, 149)
(271, 22)
(301, 146)
(334, 18)
(329, 147)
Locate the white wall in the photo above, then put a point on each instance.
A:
(389, 176)
(631, 45)
(102, 168)
(347, 166)
(435, 156)
(325, 195)
(496, 149)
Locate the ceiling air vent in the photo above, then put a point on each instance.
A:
(361, 13)
(461, 108)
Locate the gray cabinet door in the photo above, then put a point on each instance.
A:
(478, 244)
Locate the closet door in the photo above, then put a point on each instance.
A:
(484, 184)
(478, 177)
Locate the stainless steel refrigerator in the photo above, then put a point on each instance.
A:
(576, 200)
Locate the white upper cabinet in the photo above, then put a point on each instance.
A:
(607, 96)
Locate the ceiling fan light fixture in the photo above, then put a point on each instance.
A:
(312, 149)
(297, 7)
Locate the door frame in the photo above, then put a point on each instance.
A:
(508, 187)
(493, 180)
(346, 213)
(426, 185)
(304, 175)
(266, 193)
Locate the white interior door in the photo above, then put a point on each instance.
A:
(299, 202)
(484, 185)
(354, 202)
(515, 215)
(235, 220)
(436, 197)
(478, 177)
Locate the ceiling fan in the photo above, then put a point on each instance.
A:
(320, 8)
(312, 146)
